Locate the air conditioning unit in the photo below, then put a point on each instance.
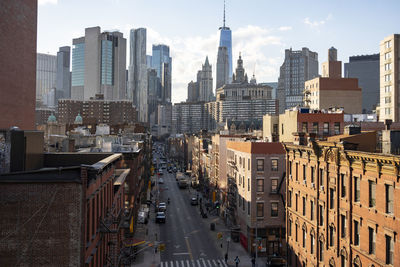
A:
(290, 177)
(321, 188)
(312, 185)
(305, 182)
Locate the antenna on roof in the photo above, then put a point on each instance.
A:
(224, 13)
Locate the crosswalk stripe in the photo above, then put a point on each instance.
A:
(194, 263)
(198, 263)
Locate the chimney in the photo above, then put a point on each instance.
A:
(387, 124)
(299, 139)
(352, 129)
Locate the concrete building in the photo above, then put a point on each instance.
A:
(193, 92)
(17, 101)
(331, 90)
(189, 117)
(164, 119)
(280, 128)
(298, 67)
(205, 80)
(389, 66)
(256, 174)
(98, 65)
(222, 66)
(63, 77)
(366, 69)
(110, 112)
(340, 202)
(137, 81)
(46, 73)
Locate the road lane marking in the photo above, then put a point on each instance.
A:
(198, 263)
(181, 253)
(187, 263)
(188, 246)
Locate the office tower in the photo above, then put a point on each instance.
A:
(298, 67)
(222, 66)
(138, 88)
(164, 119)
(162, 63)
(152, 82)
(390, 78)
(149, 60)
(225, 40)
(366, 69)
(331, 90)
(205, 82)
(98, 65)
(63, 78)
(46, 72)
(193, 92)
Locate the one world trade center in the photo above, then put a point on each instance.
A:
(225, 40)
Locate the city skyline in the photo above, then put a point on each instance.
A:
(261, 34)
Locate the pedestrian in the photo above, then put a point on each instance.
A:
(253, 262)
(226, 257)
(237, 261)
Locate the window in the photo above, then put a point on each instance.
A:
(290, 168)
(343, 185)
(304, 237)
(321, 215)
(388, 100)
(274, 165)
(282, 128)
(297, 171)
(387, 56)
(275, 129)
(260, 185)
(371, 238)
(248, 184)
(387, 111)
(311, 210)
(304, 206)
(289, 227)
(388, 88)
(389, 198)
(312, 243)
(337, 127)
(388, 66)
(343, 225)
(260, 165)
(274, 185)
(326, 128)
(305, 127)
(297, 228)
(289, 198)
(389, 249)
(315, 127)
(331, 236)
(312, 175)
(331, 198)
(244, 163)
(371, 193)
(388, 44)
(356, 189)
(248, 208)
(297, 196)
(244, 179)
(356, 233)
(244, 204)
(342, 260)
(274, 209)
(304, 174)
(321, 250)
(321, 177)
(248, 164)
(260, 209)
(388, 77)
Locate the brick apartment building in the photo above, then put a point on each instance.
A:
(69, 212)
(256, 193)
(111, 112)
(322, 123)
(340, 202)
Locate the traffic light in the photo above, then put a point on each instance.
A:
(259, 247)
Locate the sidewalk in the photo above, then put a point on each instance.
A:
(235, 248)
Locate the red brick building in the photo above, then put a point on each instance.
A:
(341, 199)
(70, 212)
(18, 29)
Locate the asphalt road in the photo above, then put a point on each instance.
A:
(187, 238)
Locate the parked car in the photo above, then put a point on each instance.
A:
(162, 207)
(142, 217)
(161, 181)
(194, 201)
(160, 217)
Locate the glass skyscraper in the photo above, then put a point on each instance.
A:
(225, 39)
(162, 63)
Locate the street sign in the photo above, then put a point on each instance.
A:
(162, 247)
(219, 235)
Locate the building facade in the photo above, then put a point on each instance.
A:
(225, 40)
(205, 81)
(137, 80)
(193, 92)
(162, 63)
(389, 67)
(98, 65)
(340, 203)
(46, 74)
(63, 76)
(298, 67)
(256, 171)
(366, 69)
(222, 66)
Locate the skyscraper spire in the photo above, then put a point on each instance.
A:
(224, 13)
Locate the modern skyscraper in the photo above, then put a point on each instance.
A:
(63, 77)
(98, 65)
(205, 82)
(152, 82)
(390, 78)
(18, 29)
(46, 72)
(225, 40)
(137, 84)
(366, 69)
(222, 66)
(162, 63)
(298, 67)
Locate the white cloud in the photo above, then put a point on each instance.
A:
(317, 23)
(44, 2)
(285, 28)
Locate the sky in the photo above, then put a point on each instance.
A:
(261, 29)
